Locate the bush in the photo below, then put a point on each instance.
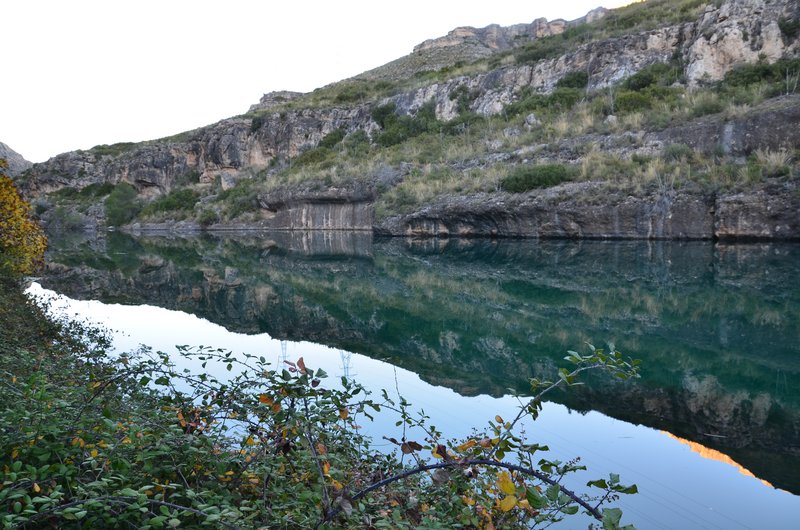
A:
(176, 200)
(526, 178)
(22, 242)
(628, 101)
(316, 155)
(398, 129)
(93, 441)
(332, 138)
(578, 80)
(122, 204)
(656, 74)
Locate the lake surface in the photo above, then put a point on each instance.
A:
(710, 433)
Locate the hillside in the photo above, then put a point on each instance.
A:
(16, 162)
(663, 119)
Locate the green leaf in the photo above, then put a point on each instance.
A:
(611, 518)
(535, 499)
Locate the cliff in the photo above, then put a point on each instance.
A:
(673, 119)
(16, 163)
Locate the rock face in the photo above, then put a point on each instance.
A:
(16, 163)
(736, 33)
(576, 211)
(235, 149)
(498, 38)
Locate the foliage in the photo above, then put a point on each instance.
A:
(22, 242)
(182, 199)
(332, 138)
(397, 129)
(96, 441)
(574, 80)
(663, 74)
(526, 178)
(790, 27)
(122, 204)
(239, 199)
(113, 150)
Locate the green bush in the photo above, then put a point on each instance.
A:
(332, 138)
(675, 152)
(122, 204)
(398, 129)
(175, 201)
(578, 80)
(662, 74)
(526, 178)
(207, 217)
(628, 101)
(316, 155)
(790, 27)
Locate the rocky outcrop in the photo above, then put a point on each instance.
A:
(16, 163)
(275, 99)
(595, 211)
(736, 33)
(497, 38)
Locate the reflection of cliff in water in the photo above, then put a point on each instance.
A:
(716, 326)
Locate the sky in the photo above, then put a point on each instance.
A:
(81, 73)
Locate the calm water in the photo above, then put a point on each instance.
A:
(710, 433)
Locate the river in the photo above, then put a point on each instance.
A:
(710, 433)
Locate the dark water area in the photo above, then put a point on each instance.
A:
(717, 327)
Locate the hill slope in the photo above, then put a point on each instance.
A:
(664, 119)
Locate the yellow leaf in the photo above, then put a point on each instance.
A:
(14, 453)
(36, 488)
(265, 399)
(93, 452)
(466, 445)
(321, 449)
(326, 467)
(436, 454)
(505, 483)
(344, 413)
(469, 501)
(498, 419)
(507, 503)
(249, 441)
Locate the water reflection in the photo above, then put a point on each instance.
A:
(716, 326)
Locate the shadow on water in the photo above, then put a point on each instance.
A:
(716, 326)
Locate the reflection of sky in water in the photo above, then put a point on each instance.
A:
(678, 487)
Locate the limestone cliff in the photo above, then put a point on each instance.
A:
(284, 125)
(16, 163)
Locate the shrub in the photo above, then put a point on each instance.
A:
(176, 200)
(207, 217)
(122, 204)
(578, 80)
(790, 27)
(675, 152)
(397, 129)
(656, 74)
(627, 101)
(22, 242)
(113, 149)
(526, 178)
(332, 138)
(316, 155)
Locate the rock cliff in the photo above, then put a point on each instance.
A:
(284, 125)
(16, 163)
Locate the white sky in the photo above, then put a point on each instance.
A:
(83, 72)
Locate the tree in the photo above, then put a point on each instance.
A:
(22, 242)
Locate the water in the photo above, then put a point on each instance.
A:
(710, 433)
